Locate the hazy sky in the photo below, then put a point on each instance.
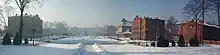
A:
(84, 13)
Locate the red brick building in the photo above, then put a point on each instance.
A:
(136, 28)
(204, 31)
(147, 28)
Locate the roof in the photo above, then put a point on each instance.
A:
(127, 32)
(123, 20)
(199, 22)
(129, 23)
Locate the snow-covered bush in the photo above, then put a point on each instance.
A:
(6, 40)
(181, 41)
(18, 39)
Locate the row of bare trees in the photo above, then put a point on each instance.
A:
(197, 9)
(61, 26)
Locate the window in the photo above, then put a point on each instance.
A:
(190, 26)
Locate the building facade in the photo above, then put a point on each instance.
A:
(30, 22)
(147, 28)
(123, 26)
(203, 32)
(110, 30)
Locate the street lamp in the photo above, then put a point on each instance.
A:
(33, 35)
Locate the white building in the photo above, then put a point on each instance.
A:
(30, 22)
(123, 27)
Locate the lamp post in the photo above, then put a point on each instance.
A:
(33, 35)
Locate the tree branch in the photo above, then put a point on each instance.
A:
(19, 6)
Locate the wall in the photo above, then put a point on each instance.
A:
(188, 30)
(29, 22)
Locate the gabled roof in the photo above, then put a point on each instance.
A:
(199, 22)
(123, 20)
(136, 17)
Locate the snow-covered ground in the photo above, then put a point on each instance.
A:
(85, 39)
(129, 49)
(79, 46)
(47, 49)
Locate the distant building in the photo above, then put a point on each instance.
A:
(147, 28)
(123, 26)
(110, 30)
(85, 33)
(204, 31)
(30, 23)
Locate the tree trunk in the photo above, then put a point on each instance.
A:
(21, 23)
(218, 13)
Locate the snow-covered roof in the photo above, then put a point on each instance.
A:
(211, 25)
(199, 22)
(129, 23)
(127, 32)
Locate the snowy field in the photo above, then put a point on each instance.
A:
(129, 49)
(47, 49)
(85, 39)
(80, 46)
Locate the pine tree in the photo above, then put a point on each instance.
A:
(18, 39)
(6, 40)
(181, 41)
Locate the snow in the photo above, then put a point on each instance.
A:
(98, 48)
(47, 49)
(128, 49)
(126, 33)
(201, 23)
(211, 25)
(86, 39)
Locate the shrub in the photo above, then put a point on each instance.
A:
(194, 41)
(173, 43)
(181, 41)
(26, 41)
(6, 40)
(17, 40)
(146, 44)
(153, 44)
(162, 42)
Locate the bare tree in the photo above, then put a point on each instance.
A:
(22, 4)
(171, 24)
(4, 12)
(197, 9)
(46, 27)
(215, 7)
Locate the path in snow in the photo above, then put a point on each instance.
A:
(86, 49)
